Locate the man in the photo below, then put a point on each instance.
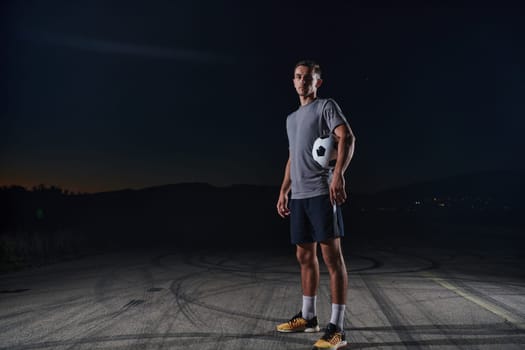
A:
(317, 193)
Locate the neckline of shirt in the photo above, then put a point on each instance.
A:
(309, 103)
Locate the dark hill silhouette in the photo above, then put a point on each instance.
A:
(504, 185)
(191, 216)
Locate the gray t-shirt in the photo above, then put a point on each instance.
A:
(318, 118)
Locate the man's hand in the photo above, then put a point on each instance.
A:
(282, 205)
(337, 189)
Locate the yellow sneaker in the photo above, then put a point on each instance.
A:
(332, 339)
(299, 324)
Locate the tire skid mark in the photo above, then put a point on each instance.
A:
(262, 272)
(40, 312)
(190, 337)
(102, 286)
(206, 293)
(436, 343)
(167, 314)
(13, 315)
(97, 328)
(516, 286)
(394, 316)
(241, 270)
(185, 341)
(375, 264)
(482, 300)
(191, 296)
(443, 329)
(196, 285)
(430, 264)
(95, 316)
(148, 283)
(164, 319)
(254, 272)
(490, 299)
(188, 297)
(266, 300)
(229, 312)
(177, 291)
(498, 328)
(176, 286)
(84, 310)
(191, 291)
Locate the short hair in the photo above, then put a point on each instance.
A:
(314, 66)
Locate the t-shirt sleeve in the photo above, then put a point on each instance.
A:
(332, 115)
(288, 131)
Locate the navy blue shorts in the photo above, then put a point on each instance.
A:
(315, 220)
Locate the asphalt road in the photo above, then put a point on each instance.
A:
(402, 298)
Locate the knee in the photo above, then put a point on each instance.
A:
(306, 257)
(334, 262)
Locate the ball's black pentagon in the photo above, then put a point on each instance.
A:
(321, 151)
(332, 162)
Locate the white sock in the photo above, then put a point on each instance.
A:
(309, 310)
(338, 315)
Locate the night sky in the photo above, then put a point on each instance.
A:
(105, 95)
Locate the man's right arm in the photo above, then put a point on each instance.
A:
(282, 204)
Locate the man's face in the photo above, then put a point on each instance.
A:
(305, 82)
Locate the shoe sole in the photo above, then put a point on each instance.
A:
(338, 346)
(306, 330)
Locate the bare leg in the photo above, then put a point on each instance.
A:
(307, 257)
(333, 258)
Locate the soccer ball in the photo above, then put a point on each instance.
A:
(324, 151)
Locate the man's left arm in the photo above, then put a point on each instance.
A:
(345, 152)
